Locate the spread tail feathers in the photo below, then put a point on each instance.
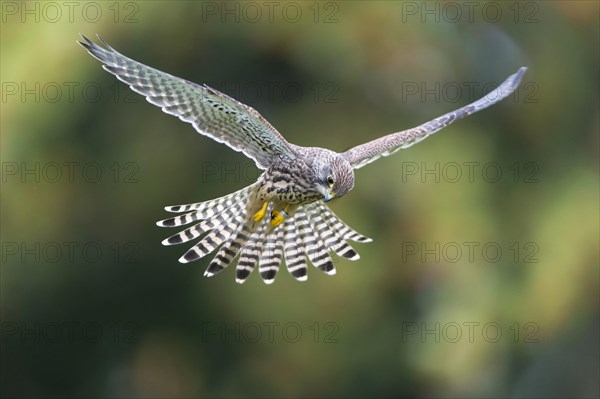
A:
(312, 233)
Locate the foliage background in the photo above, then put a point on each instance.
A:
(157, 316)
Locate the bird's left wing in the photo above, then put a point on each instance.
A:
(364, 154)
(211, 112)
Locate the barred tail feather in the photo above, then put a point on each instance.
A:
(214, 239)
(213, 206)
(229, 251)
(332, 239)
(271, 256)
(250, 254)
(342, 228)
(191, 232)
(315, 249)
(295, 252)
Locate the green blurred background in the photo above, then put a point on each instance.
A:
(93, 305)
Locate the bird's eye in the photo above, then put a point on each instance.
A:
(330, 180)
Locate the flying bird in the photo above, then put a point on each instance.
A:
(283, 215)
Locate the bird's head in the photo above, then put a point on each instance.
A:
(335, 177)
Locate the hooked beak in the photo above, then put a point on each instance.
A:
(329, 195)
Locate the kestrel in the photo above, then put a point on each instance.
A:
(293, 189)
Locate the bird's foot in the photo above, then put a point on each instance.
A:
(277, 217)
(258, 216)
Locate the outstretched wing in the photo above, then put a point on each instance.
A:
(366, 153)
(211, 112)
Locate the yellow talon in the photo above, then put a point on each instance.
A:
(261, 213)
(276, 218)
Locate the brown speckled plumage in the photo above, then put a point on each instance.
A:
(296, 180)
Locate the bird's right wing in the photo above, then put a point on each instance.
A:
(211, 112)
(364, 154)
